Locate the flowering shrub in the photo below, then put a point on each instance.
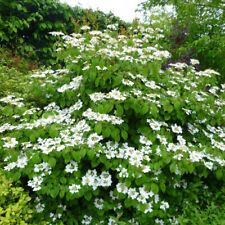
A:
(119, 141)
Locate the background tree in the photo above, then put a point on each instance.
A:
(198, 30)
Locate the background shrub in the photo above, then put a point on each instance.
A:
(25, 25)
(15, 207)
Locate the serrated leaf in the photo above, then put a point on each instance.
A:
(154, 110)
(61, 193)
(154, 188)
(219, 174)
(119, 110)
(162, 186)
(36, 159)
(76, 156)
(90, 154)
(124, 134)
(88, 196)
(98, 128)
(52, 162)
(172, 167)
(62, 180)
(82, 153)
(106, 132)
(116, 134)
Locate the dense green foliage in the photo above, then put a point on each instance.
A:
(210, 215)
(197, 31)
(25, 25)
(114, 139)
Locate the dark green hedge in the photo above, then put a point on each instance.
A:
(25, 25)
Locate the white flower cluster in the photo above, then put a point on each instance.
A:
(9, 142)
(101, 117)
(73, 85)
(36, 183)
(93, 180)
(156, 125)
(11, 99)
(20, 163)
(115, 94)
(43, 167)
(136, 158)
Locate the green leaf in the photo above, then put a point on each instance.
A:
(172, 167)
(106, 132)
(98, 128)
(143, 207)
(90, 153)
(116, 134)
(162, 186)
(124, 134)
(88, 196)
(36, 159)
(82, 153)
(54, 192)
(154, 110)
(76, 155)
(154, 188)
(119, 110)
(52, 162)
(219, 174)
(61, 193)
(62, 180)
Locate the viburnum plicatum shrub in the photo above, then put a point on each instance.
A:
(121, 141)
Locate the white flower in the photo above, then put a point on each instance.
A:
(10, 166)
(99, 203)
(141, 199)
(56, 33)
(159, 221)
(164, 205)
(181, 140)
(127, 82)
(74, 188)
(86, 219)
(194, 61)
(105, 179)
(145, 168)
(40, 167)
(209, 165)
(123, 173)
(155, 125)
(71, 167)
(122, 188)
(39, 207)
(145, 141)
(85, 28)
(176, 129)
(88, 180)
(22, 162)
(148, 208)
(93, 139)
(98, 96)
(112, 221)
(116, 95)
(196, 156)
(36, 183)
(10, 142)
(132, 193)
(178, 156)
